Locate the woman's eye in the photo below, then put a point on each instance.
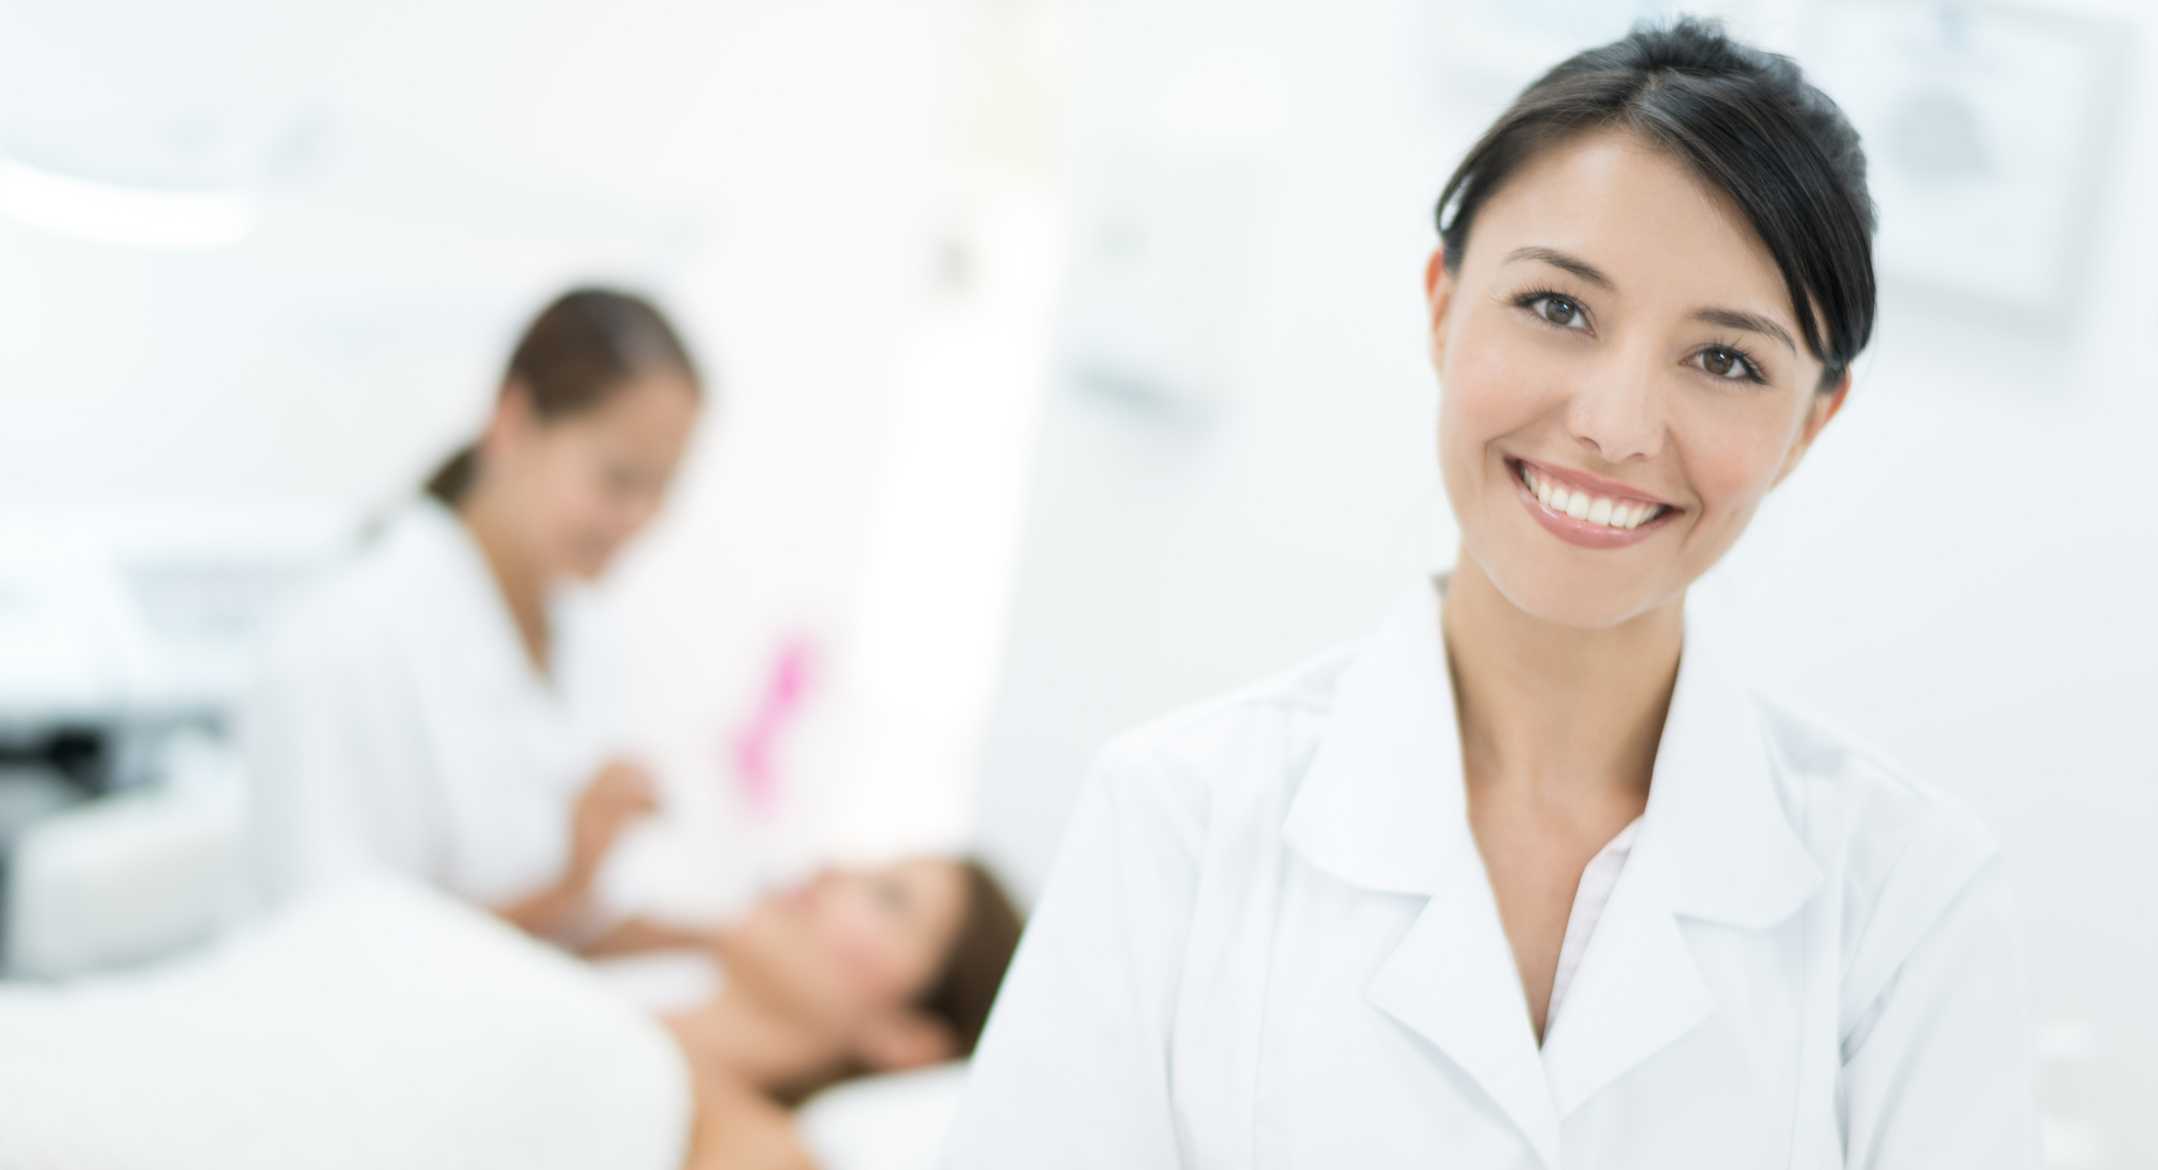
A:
(1560, 311)
(1727, 364)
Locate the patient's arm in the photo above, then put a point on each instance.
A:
(616, 797)
(636, 936)
(545, 912)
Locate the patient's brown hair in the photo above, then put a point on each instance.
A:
(988, 934)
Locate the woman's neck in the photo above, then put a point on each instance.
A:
(522, 585)
(760, 1044)
(1552, 709)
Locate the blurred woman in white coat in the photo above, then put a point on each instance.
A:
(448, 706)
(1527, 878)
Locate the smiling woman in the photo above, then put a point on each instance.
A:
(1648, 256)
(1597, 331)
(1525, 878)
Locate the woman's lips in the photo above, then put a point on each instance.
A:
(1585, 511)
(1594, 485)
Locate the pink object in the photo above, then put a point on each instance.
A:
(785, 692)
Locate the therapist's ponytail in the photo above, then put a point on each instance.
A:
(453, 479)
(579, 350)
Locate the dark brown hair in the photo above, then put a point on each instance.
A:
(1747, 122)
(580, 349)
(974, 969)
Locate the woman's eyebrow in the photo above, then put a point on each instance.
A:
(1557, 259)
(1751, 322)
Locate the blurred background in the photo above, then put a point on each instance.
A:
(1068, 366)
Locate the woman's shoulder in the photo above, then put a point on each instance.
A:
(1854, 802)
(1238, 745)
(385, 579)
(1906, 859)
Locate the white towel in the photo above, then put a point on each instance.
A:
(379, 1025)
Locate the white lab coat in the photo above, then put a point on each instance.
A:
(1269, 941)
(399, 723)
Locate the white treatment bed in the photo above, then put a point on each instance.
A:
(381, 1026)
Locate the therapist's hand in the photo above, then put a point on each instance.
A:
(617, 797)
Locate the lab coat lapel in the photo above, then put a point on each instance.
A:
(1453, 981)
(1382, 809)
(1715, 844)
(1636, 992)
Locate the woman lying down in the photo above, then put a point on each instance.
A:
(853, 972)
(382, 1024)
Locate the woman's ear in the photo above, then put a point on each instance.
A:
(1438, 296)
(905, 1039)
(513, 417)
(1824, 406)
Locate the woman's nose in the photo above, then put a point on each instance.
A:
(1618, 412)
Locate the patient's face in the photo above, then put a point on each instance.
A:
(891, 926)
(856, 939)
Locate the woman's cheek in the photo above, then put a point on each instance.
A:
(1487, 393)
(1486, 373)
(1734, 455)
(870, 968)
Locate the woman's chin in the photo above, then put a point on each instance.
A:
(587, 566)
(1573, 601)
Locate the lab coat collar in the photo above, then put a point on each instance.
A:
(1715, 802)
(1383, 807)
(1383, 804)
(460, 582)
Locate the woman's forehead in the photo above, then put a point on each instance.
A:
(929, 874)
(658, 405)
(1638, 214)
(941, 888)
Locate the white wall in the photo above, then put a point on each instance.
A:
(1961, 574)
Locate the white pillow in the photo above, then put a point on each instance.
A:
(892, 1122)
(378, 1025)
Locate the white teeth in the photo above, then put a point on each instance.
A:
(1620, 514)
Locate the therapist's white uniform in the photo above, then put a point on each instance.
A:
(1269, 941)
(399, 723)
